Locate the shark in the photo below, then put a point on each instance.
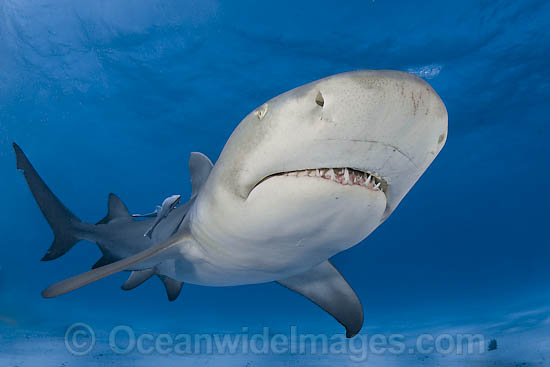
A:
(303, 177)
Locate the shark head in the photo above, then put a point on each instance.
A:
(336, 155)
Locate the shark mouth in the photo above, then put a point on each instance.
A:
(342, 176)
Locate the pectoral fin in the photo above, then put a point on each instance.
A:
(325, 286)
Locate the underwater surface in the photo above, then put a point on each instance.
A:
(112, 96)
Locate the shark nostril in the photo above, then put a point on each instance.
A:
(319, 99)
(441, 138)
(261, 111)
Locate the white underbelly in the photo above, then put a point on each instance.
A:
(272, 237)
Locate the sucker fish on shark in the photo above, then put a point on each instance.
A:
(307, 175)
(160, 212)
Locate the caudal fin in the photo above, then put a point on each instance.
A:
(58, 216)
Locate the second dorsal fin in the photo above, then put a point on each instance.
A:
(116, 210)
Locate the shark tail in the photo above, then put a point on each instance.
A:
(63, 223)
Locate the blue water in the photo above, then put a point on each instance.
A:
(111, 96)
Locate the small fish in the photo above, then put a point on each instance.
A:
(160, 212)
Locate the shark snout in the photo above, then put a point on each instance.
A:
(389, 123)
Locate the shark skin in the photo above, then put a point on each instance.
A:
(307, 175)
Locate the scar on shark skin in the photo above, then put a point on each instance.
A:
(395, 148)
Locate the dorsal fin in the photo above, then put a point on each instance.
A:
(199, 166)
(116, 210)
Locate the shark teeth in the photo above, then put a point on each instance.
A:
(344, 176)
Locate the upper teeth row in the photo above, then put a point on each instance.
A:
(344, 176)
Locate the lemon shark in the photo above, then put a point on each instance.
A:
(308, 174)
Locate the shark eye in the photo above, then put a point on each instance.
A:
(319, 99)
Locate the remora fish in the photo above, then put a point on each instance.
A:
(160, 212)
